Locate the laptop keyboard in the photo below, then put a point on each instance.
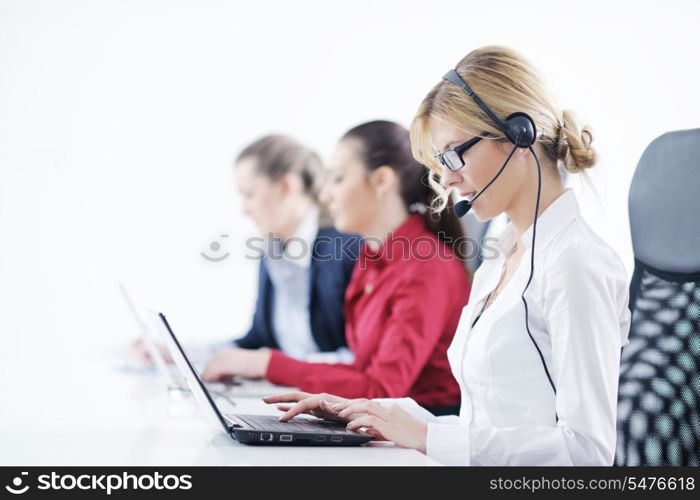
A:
(271, 423)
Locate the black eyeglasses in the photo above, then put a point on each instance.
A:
(452, 158)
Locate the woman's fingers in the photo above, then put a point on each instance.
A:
(332, 407)
(371, 431)
(325, 415)
(287, 397)
(366, 421)
(335, 405)
(354, 410)
(302, 406)
(316, 413)
(320, 405)
(210, 373)
(375, 433)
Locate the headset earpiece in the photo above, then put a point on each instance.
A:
(520, 129)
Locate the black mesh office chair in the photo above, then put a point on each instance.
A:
(659, 393)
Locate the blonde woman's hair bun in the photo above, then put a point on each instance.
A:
(573, 144)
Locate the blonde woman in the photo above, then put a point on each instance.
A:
(538, 377)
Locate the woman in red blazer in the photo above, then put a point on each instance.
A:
(408, 287)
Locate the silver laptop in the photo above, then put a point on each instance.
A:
(150, 336)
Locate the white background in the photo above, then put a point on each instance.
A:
(119, 121)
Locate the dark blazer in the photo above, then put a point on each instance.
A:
(332, 262)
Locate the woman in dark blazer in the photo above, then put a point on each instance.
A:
(329, 279)
(305, 266)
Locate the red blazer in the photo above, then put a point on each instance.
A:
(402, 307)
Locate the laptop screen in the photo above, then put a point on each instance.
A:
(186, 368)
(150, 340)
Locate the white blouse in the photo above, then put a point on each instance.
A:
(579, 316)
(290, 274)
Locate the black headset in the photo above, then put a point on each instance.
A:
(521, 131)
(519, 127)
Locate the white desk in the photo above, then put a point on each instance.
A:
(113, 418)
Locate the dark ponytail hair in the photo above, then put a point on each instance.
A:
(387, 143)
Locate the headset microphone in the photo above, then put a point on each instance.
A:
(462, 207)
(520, 130)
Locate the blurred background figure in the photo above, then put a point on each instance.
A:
(305, 263)
(408, 287)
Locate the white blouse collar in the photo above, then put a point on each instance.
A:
(562, 210)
